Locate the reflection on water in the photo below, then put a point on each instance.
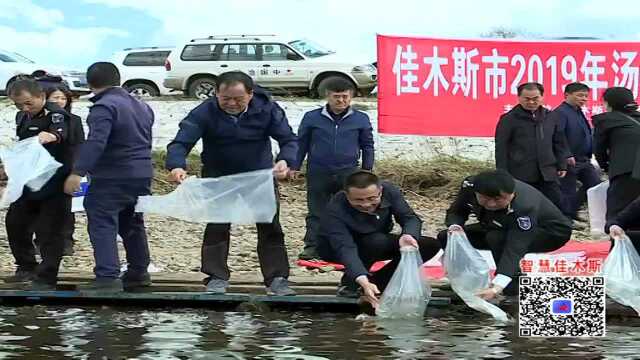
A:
(39, 332)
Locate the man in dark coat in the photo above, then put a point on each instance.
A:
(530, 147)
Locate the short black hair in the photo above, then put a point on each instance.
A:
(530, 86)
(575, 87)
(340, 84)
(361, 179)
(24, 84)
(103, 74)
(620, 99)
(234, 77)
(494, 183)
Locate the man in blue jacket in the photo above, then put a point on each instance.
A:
(117, 158)
(355, 230)
(236, 127)
(334, 137)
(577, 130)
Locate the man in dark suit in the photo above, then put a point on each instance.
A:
(530, 147)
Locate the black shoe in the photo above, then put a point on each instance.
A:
(42, 286)
(130, 283)
(103, 285)
(308, 254)
(21, 276)
(347, 292)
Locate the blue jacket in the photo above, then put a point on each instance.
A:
(574, 125)
(342, 226)
(335, 145)
(119, 141)
(233, 145)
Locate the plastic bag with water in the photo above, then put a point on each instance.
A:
(621, 271)
(597, 205)
(469, 272)
(243, 199)
(26, 163)
(408, 291)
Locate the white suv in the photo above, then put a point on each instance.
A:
(298, 64)
(142, 70)
(13, 64)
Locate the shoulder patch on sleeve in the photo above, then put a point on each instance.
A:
(467, 184)
(57, 118)
(524, 223)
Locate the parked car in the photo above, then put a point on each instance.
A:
(142, 70)
(13, 64)
(273, 63)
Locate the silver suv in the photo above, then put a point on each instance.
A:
(272, 63)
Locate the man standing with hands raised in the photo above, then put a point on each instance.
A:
(236, 127)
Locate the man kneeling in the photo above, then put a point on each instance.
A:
(513, 217)
(356, 231)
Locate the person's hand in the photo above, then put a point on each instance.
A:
(370, 291)
(178, 175)
(46, 137)
(571, 161)
(72, 184)
(616, 231)
(281, 170)
(408, 240)
(455, 228)
(490, 292)
(562, 173)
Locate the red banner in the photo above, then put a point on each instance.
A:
(445, 87)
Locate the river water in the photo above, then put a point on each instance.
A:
(49, 332)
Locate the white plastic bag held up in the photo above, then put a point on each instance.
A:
(27, 163)
(408, 291)
(468, 272)
(597, 204)
(621, 271)
(243, 199)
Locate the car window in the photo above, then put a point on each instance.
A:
(146, 58)
(239, 52)
(200, 52)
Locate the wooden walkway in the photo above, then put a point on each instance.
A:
(187, 290)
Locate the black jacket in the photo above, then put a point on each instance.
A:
(627, 219)
(529, 210)
(55, 120)
(530, 146)
(617, 143)
(342, 226)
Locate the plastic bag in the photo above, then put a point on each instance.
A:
(243, 199)
(597, 204)
(468, 272)
(621, 271)
(408, 291)
(26, 163)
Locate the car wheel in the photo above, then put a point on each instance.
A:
(142, 90)
(321, 89)
(203, 88)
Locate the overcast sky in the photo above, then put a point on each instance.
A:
(75, 33)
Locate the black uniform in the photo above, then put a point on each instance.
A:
(357, 239)
(532, 149)
(629, 220)
(50, 205)
(617, 150)
(531, 224)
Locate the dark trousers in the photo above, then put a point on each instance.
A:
(483, 238)
(321, 186)
(68, 228)
(551, 189)
(21, 219)
(574, 197)
(378, 247)
(623, 189)
(110, 205)
(272, 252)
